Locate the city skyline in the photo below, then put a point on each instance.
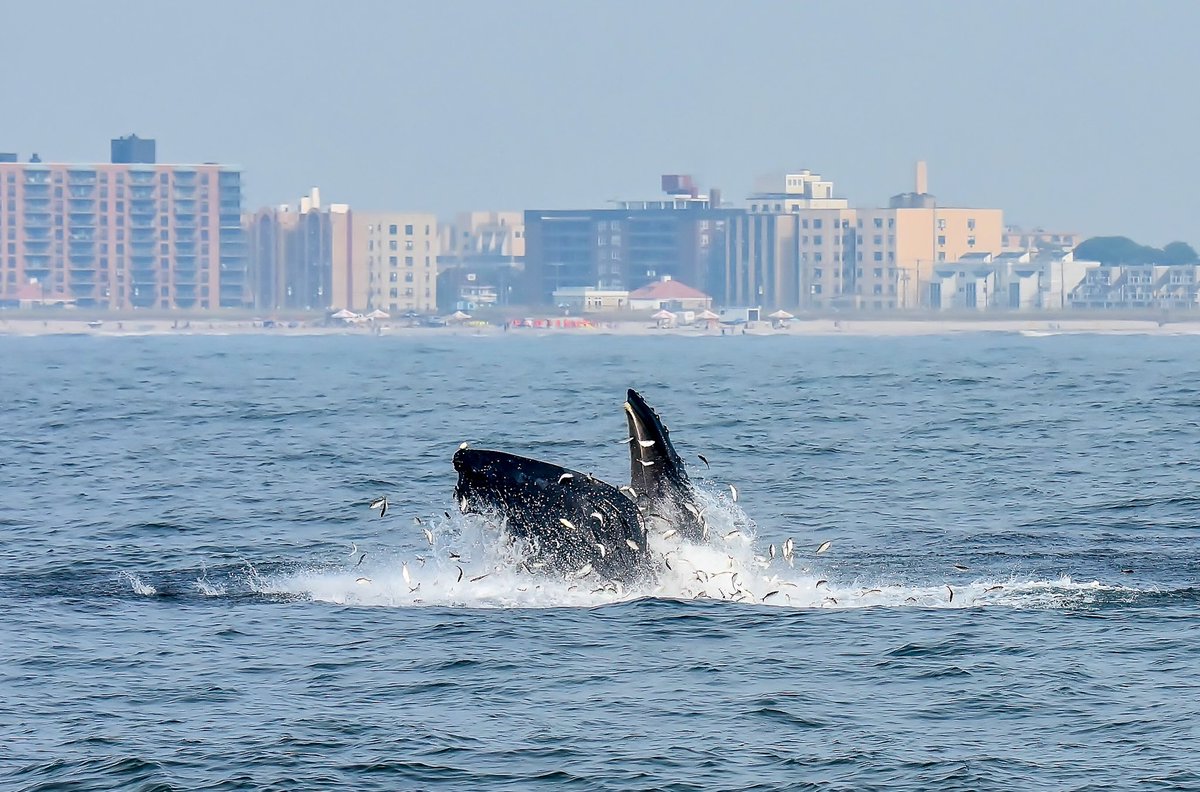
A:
(1064, 115)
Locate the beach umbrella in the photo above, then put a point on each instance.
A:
(378, 314)
(344, 314)
(459, 316)
(781, 315)
(707, 315)
(663, 316)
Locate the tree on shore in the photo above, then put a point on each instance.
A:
(1123, 250)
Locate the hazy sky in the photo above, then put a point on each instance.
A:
(1073, 115)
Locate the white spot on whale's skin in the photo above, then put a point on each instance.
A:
(603, 550)
(632, 545)
(566, 523)
(583, 571)
(565, 477)
(646, 443)
(363, 581)
(599, 517)
(646, 462)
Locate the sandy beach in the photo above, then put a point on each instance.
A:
(60, 325)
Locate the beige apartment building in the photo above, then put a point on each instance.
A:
(309, 256)
(803, 248)
(898, 247)
(393, 263)
(790, 249)
(132, 233)
(483, 235)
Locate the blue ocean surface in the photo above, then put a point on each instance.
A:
(1009, 599)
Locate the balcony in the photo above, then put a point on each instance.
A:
(143, 297)
(81, 191)
(81, 177)
(37, 234)
(37, 266)
(185, 220)
(81, 205)
(82, 258)
(81, 289)
(37, 246)
(141, 177)
(37, 204)
(184, 193)
(184, 178)
(142, 192)
(144, 280)
(78, 219)
(36, 219)
(39, 190)
(36, 176)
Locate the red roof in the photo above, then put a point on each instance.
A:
(667, 290)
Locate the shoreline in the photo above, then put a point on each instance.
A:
(808, 327)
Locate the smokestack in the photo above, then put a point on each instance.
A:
(922, 179)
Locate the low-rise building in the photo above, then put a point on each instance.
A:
(586, 299)
(670, 294)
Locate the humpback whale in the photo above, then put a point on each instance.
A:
(574, 523)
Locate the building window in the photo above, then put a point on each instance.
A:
(408, 277)
(970, 241)
(878, 272)
(941, 239)
(817, 257)
(817, 238)
(393, 229)
(941, 224)
(393, 292)
(408, 261)
(817, 223)
(879, 222)
(392, 245)
(408, 230)
(970, 223)
(394, 277)
(393, 260)
(878, 255)
(408, 245)
(818, 273)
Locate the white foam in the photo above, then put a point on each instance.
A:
(137, 585)
(731, 565)
(209, 589)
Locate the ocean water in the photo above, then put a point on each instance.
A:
(195, 595)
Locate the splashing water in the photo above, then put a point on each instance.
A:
(471, 563)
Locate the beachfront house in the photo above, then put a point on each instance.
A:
(669, 294)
